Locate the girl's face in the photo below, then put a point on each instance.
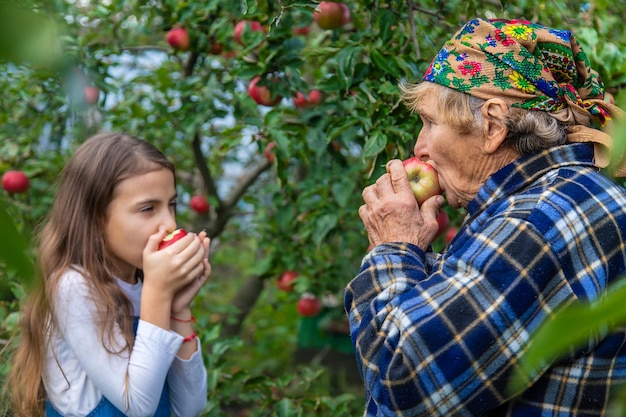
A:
(140, 205)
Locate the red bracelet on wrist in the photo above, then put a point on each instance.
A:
(190, 337)
(191, 320)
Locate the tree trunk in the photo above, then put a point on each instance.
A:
(243, 301)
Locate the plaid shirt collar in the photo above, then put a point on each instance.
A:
(526, 170)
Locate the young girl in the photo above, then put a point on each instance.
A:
(108, 332)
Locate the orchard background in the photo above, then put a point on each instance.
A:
(274, 178)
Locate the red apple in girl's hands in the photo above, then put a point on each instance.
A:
(172, 237)
(423, 179)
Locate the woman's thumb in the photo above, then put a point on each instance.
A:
(430, 207)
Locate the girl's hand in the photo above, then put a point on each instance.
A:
(182, 299)
(174, 267)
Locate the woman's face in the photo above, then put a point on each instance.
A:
(140, 205)
(459, 159)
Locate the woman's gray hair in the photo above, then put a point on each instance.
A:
(529, 131)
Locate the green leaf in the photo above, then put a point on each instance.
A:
(347, 60)
(262, 266)
(374, 144)
(335, 131)
(13, 247)
(342, 190)
(323, 225)
(285, 408)
(570, 328)
(386, 63)
(386, 20)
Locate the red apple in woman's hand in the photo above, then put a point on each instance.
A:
(423, 179)
(172, 237)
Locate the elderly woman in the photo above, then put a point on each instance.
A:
(511, 115)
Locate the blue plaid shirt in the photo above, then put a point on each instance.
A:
(440, 334)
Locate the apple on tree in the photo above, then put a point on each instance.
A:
(450, 233)
(309, 305)
(199, 204)
(215, 48)
(301, 30)
(245, 25)
(91, 94)
(286, 281)
(15, 182)
(422, 178)
(268, 152)
(311, 100)
(331, 15)
(444, 221)
(178, 38)
(172, 237)
(261, 94)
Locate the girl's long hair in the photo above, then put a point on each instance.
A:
(73, 235)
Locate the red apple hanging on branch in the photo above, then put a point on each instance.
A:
(450, 234)
(309, 305)
(443, 220)
(302, 101)
(199, 204)
(268, 152)
(246, 25)
(423, 179)
(178, 38)
(172, 237)
(301, 30)
(91, 94)
(331, 15)
(15, 182)
(261, 94)
(215, 48)
(286, 281)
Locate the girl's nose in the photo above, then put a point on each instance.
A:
(169, 222)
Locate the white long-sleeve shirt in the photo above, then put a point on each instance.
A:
(78, 370)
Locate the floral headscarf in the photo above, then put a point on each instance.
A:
(532, 67)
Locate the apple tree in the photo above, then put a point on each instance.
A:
(276, 115)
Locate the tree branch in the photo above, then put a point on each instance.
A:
(413, 29)
(203, 167)
(190, 64)
(226, 209)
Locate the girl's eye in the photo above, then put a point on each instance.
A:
(147, 208)
(173, 204)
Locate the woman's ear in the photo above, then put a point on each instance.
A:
(494, 112)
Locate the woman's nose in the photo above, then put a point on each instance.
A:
(420, 149)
